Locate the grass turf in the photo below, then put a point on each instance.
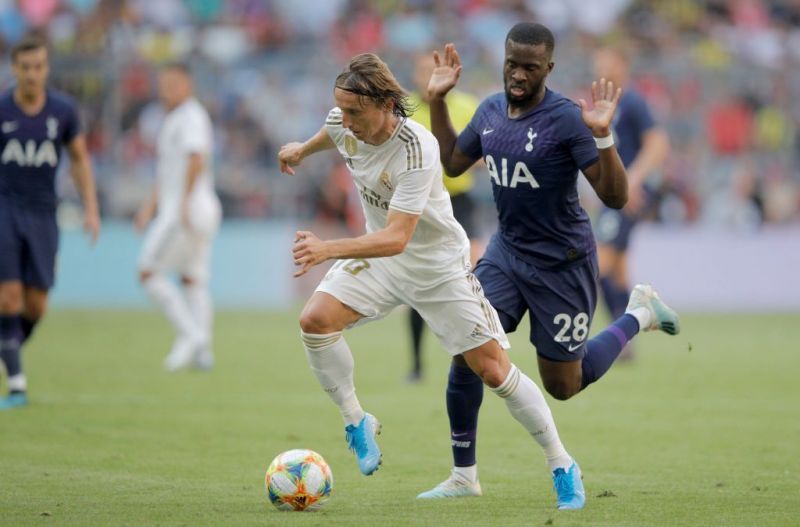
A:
(702, 428)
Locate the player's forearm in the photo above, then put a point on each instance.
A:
(317, 143)
(372, 245)
(612, 185)
(442, 128)
(83, 178)
(193, 171)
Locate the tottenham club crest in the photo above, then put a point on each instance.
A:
(531, 136)
(52, 127)
(386, 181)
(350, 145)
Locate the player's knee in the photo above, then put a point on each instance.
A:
(36, 311)
(561, 389)
(144, 276)
(316, 321)
(490, 372)
(10, 299)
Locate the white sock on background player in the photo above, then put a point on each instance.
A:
(173, 304)
(332, 362)
(527, 404)
(200, 304)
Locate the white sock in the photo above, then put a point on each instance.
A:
(167, 296)
(198, 300)
(468, 474)
(17, 383)
(331, 361)
(528, 406)
(643, 316)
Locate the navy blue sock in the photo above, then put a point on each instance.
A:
(464, 397)
(27, 327)
(417, 327)
(615, 297)
(10, 342)
(603, 349)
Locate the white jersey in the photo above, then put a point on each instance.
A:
(404, 173)
(185, 130)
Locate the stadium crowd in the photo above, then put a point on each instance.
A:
(720, 75)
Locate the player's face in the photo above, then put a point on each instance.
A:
(31, 69)
(361, 116)
(524, 72)
(609, 65)
(173, 87)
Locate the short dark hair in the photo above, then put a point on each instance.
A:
(28, 43)
(369, 77)
(532, 34)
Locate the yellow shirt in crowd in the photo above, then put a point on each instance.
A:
(461, 107)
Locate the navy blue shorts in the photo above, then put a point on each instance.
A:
(561, 302)
(28, 247)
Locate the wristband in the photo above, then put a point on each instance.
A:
(604, 142)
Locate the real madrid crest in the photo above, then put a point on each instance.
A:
(350, 145)
(386, 181)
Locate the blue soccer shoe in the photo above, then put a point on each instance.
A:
(361, 440)
(13, 400)
(569, 488)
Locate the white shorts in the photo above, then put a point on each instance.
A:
(455, 309)
(168, 246)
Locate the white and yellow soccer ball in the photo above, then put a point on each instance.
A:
(299, 480)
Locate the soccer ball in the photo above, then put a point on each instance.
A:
(299, 480)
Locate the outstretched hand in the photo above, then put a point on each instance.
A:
(446, 73)
(604, 103)
(308, 251)
(290, 156)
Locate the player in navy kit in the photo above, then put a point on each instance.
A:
(643, 146)
(35, 123)
(542, 259)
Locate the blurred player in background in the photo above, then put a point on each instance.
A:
(462, 106)
(35, 124)
(542, 258)
(643, 147)
(187, 216)
(414, 253)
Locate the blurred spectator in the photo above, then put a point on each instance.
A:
(721, 75)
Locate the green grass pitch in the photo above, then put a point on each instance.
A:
(703, 429)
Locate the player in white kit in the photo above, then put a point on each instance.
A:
(187, 215)
(414, 253)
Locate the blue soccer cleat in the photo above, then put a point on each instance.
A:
(569, 488)
(662, 316)
(361, 440)
(13, 400)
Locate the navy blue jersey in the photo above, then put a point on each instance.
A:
(533, 161)
(30, 149)
(632, 120)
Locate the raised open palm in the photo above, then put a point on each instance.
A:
(604, 104)
(445, 74)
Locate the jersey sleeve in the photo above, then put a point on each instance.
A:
(333, 124)
(414, 185)
(195, 135)
(579, 139)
